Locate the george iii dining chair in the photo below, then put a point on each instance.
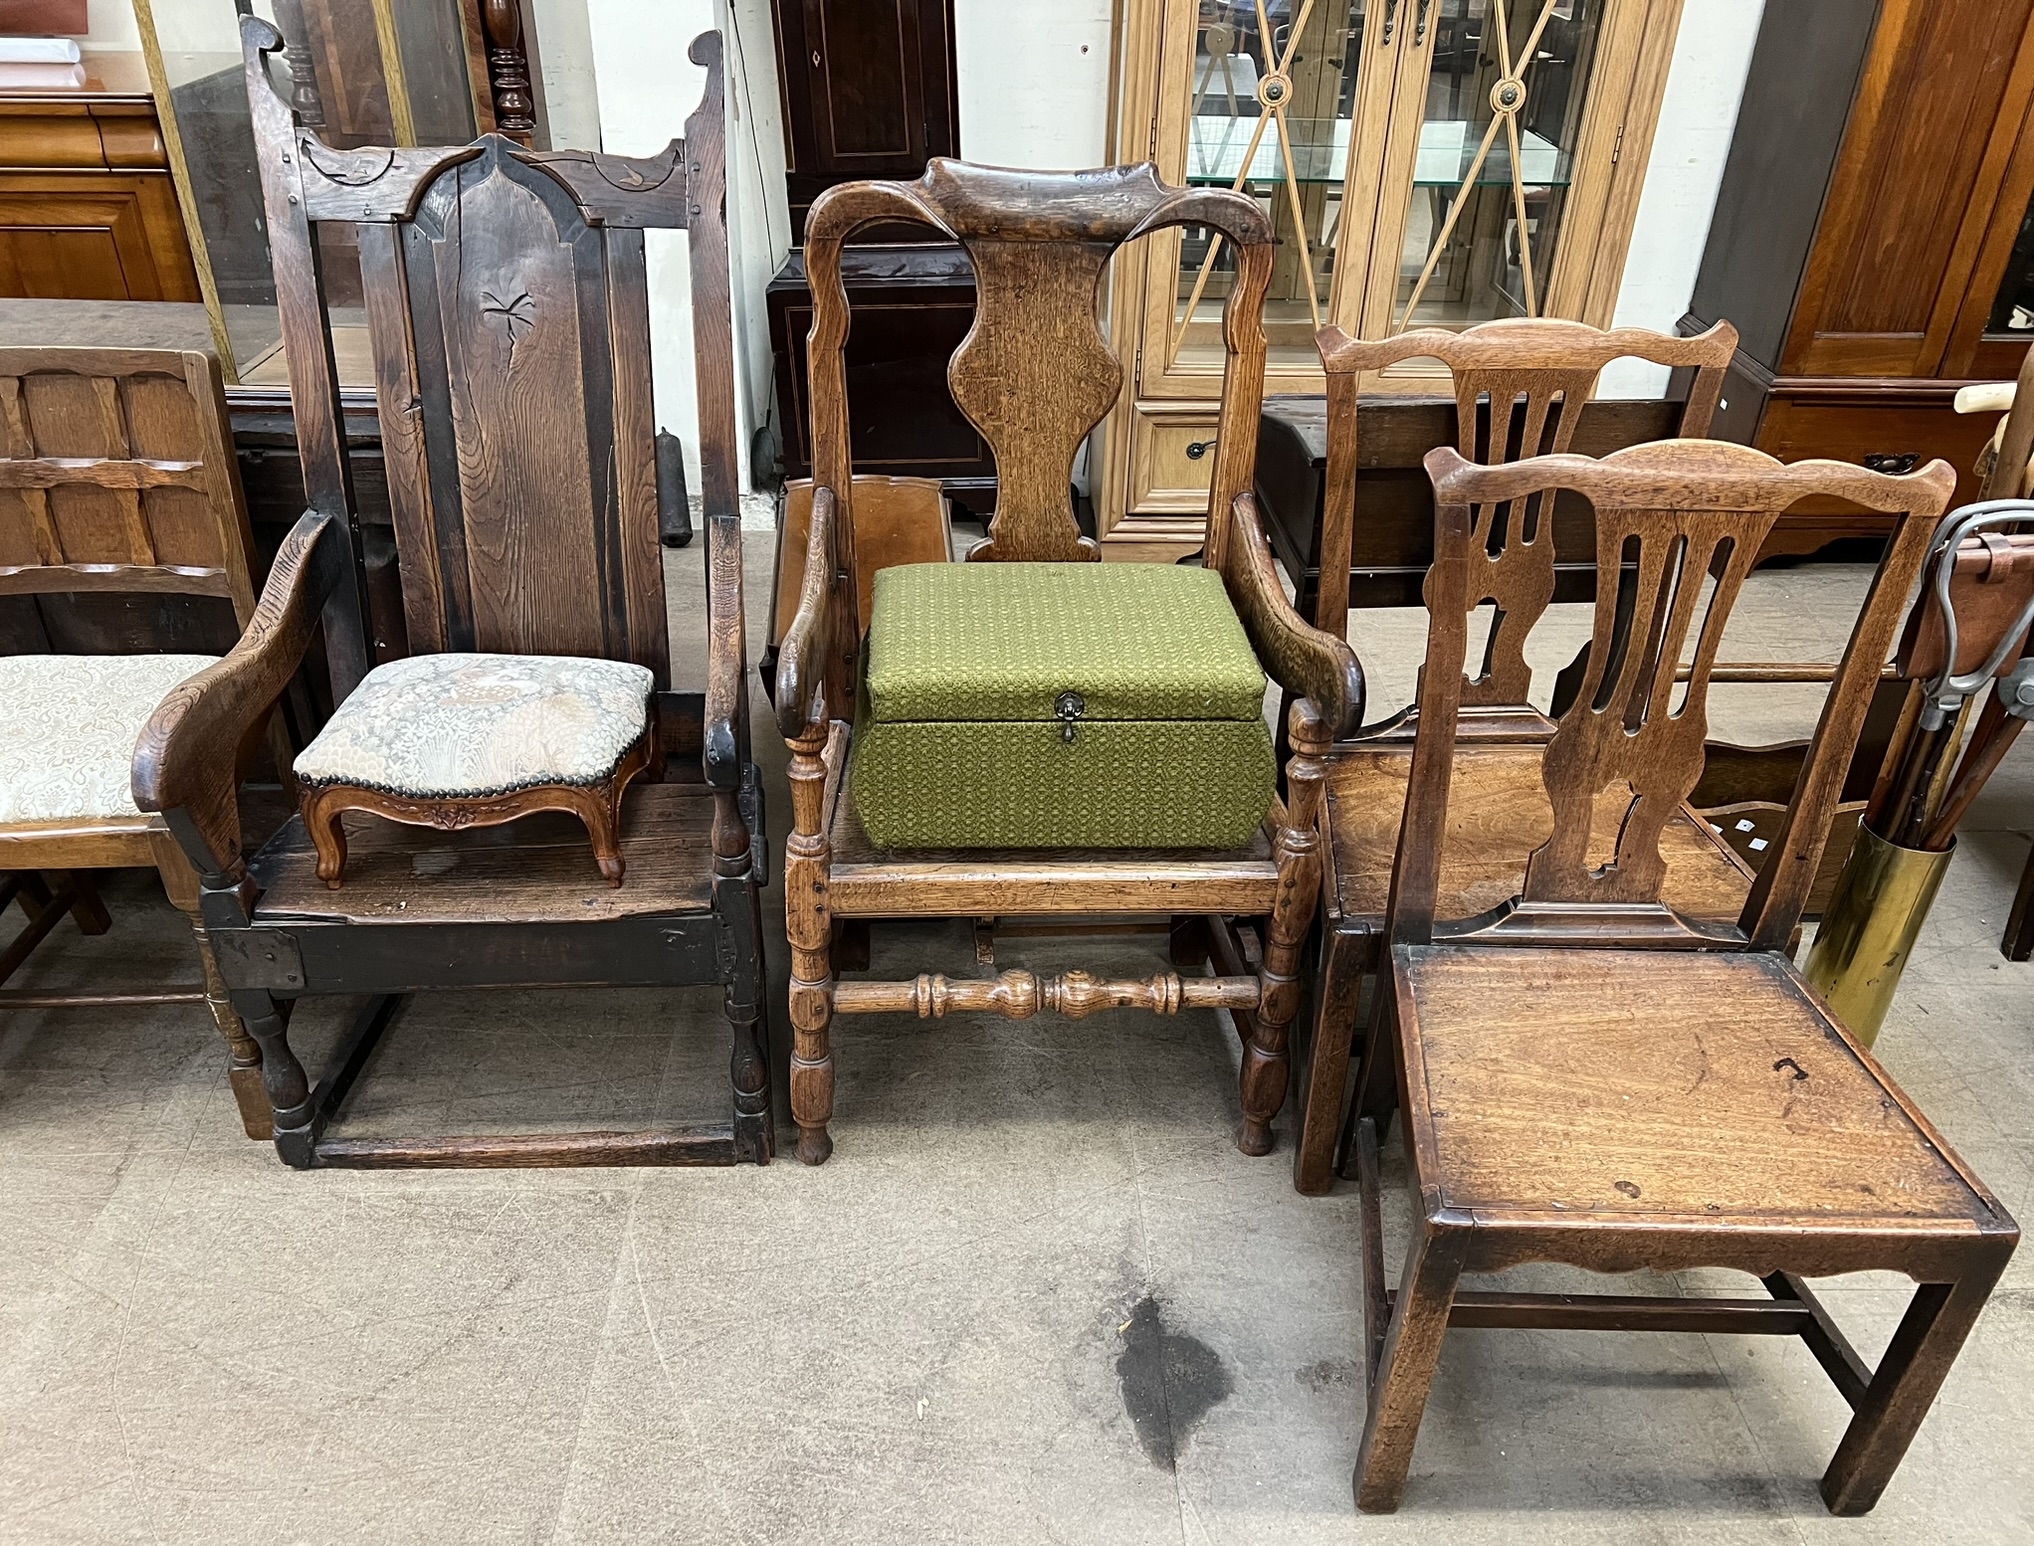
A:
(507, 313)
(1588, 1076)
(1035, 375)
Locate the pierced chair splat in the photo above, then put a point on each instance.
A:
(1035, 375)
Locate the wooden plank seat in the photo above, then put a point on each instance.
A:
(871, 882)
(533, 871)
(1567, 1082)
(1498, 814)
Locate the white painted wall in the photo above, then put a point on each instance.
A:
(113, 26)
(646, 88)
(1697, 118)
(570, 98)
(1033, 77)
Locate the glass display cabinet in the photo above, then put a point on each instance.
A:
(1423, 163)
(362, 72)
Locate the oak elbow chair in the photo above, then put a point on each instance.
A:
(116, 477)
(1588, 1075)
(508, 317)
(1034, 376)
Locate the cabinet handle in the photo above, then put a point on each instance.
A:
(1390, 20)
(1420, 33)
(1893, 461)
(1196, 449)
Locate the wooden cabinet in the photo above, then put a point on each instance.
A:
(1423, 163)
(912, 306)
(1868, 236)
(87, 209)
(868, 91)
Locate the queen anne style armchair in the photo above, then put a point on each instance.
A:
(508, 317)
(1034, 376)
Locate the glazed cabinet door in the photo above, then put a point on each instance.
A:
(1423, 162)
(1517, 144)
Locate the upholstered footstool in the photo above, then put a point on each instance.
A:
(475, 740)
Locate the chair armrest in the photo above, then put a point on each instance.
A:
(805, 652)
(726, 654)
(1299, 656)
(185, 761)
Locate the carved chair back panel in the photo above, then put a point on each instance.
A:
(1679, 524)
(1035, 373)
(1534, 374)
(117, 474)
(526, 497)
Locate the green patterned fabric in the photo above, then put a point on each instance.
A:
(957, 744)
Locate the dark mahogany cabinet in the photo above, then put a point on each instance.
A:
(868, 91)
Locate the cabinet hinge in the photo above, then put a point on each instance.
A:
(1617, 148)
(1151, 146)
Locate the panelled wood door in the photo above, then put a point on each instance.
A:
(1928, 195)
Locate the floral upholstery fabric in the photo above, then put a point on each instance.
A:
(68, 724)
(469, 725)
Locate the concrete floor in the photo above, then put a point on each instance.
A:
(1036, 1296)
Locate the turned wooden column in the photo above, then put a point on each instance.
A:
(508, 70)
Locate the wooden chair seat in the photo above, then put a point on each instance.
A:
(1498, 813)
(1565, 1081)
(531, 871)
(872, 882)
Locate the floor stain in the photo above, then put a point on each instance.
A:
(1326, 1373)
(1170, 1381)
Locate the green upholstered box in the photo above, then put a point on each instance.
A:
(975, 674)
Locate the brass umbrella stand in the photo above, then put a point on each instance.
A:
(1974, 613)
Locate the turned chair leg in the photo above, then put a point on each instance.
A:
(243, 1068)
(737, 899)
(1296, 851)
(1337, 984)
(808, 923)
(1910, 1373)
(1404, 1371)
(282, 1076)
